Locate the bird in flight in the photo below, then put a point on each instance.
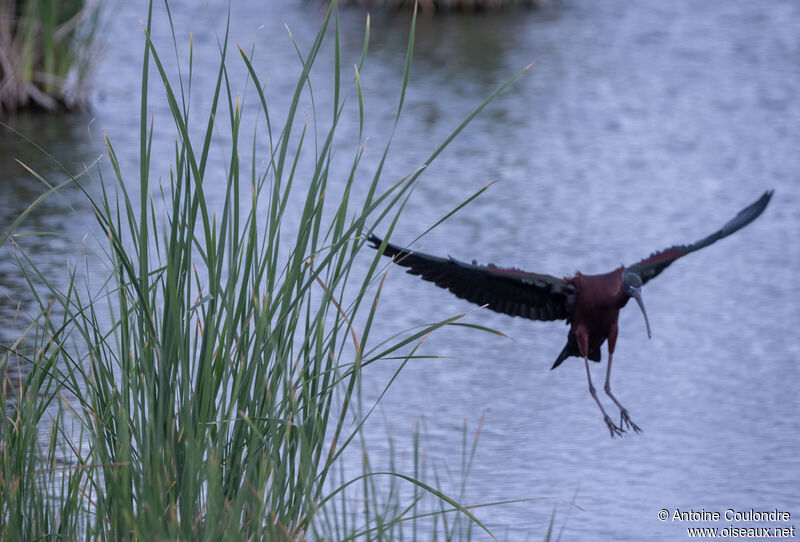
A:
(590, 304)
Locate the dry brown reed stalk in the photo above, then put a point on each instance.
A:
(45, 52)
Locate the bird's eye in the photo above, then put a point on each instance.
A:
(632, 282)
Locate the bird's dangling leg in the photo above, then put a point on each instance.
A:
(624, 419)
(611, 427)
(582, 338)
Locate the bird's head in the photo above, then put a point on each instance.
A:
(632, 283)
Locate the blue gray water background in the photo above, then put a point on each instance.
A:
(639, 125)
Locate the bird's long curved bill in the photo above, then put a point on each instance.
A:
(637, 295)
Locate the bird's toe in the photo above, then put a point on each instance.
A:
(625, 421)
(615, 431)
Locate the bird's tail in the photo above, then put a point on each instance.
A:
(562, 356)
(571, 349)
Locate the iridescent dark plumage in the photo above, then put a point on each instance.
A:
(590, 304)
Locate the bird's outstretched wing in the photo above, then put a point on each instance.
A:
(508, 291)
(651, 266)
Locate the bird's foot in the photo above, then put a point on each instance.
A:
(615, 431)
(625, 421)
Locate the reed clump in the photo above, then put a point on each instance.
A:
(46, 49)
(208, 385)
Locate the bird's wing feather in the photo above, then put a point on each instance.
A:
(508, 291)
(651, 266)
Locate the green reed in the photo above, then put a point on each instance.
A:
(218, 397)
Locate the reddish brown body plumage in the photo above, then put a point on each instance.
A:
(597, 306)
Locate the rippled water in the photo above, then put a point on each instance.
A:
(640, 125)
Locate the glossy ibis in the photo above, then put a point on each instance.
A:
(590, 304)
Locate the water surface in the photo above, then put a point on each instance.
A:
(639, 125)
